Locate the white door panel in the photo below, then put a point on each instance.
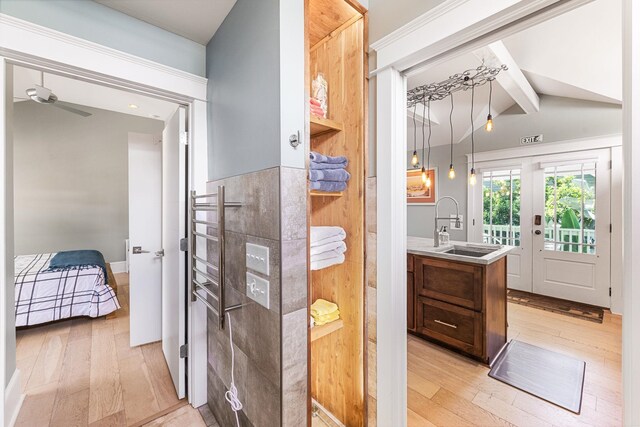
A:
(145, 223)
(173, 265)
(572, 245)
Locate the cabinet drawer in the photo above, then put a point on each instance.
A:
(452, 325)
(448, 281)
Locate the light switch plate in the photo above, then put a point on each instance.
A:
(258, 289)
(258, 258)
(452, 223)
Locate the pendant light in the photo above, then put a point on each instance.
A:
(472, 173)
(489, 126)
(428, 177)
(452, 171)
(424, 173)
(414, 158)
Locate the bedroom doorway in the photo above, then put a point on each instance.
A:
(72, 157)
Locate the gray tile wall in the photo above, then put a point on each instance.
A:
(270, 345)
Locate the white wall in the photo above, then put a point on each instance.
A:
(559, 119)
(71, 179)
(386, 16)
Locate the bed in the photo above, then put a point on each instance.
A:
(43, 295)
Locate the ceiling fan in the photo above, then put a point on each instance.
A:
(43, 95)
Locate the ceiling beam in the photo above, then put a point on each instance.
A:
(512, 80)
(421, 115)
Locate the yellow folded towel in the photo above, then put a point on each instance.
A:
(322, 307)
(327, 318)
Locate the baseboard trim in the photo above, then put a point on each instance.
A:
(118, 267)
(13, 399)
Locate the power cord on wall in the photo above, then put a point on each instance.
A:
(232, 394)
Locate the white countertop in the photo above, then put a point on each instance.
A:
(424, 246)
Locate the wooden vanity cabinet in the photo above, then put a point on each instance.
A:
(460, 305)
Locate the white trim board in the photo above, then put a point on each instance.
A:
(13, 399)
(568, 146)
(25, 41)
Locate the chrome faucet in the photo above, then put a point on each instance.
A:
(436, 235)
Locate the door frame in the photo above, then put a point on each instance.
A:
(452, 28)
(513, 156)
(25, 43)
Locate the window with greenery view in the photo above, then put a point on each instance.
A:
(501, 207)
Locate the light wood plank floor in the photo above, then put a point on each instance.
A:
(445, 389)
(82, 372)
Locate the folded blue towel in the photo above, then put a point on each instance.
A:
(329, 175)
(328, 186)
(321, 158)
(73, 259)
(325, 166)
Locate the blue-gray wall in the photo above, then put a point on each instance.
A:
(559, 119)
(243, 68)
(97, 23)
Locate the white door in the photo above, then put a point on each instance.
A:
(145, 225)
(503, 207)
(571, 238)
(173, 229)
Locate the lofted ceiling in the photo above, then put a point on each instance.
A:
(576, 55)
(197, 20)
(91, 95)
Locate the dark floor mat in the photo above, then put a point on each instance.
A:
(588, 312)
(551, 376)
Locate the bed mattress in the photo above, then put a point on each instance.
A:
(44, 296)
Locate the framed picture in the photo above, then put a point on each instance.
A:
(417, 191)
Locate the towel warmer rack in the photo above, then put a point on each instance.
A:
(208, 283)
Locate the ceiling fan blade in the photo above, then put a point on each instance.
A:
(70, 109)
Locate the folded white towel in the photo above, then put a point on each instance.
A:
(319, 265)
(324, 234)
(327, 255)
(333, 246)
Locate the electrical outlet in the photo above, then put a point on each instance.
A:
(258, 289)
(452, 223)
(258, 258)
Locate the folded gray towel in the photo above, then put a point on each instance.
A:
(329, 175)
(328, 186)
(325, 166)
(321, 158)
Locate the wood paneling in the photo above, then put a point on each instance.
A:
(338, 359)
(327, 16)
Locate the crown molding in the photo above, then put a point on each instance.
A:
(7, 46)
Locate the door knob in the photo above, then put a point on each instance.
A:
(538, 232)
(138, 250)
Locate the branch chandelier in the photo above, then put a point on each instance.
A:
(425, 94)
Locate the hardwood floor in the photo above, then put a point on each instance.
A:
(445, 389)
(82, 372)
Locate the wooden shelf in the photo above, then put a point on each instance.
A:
(315, 193)
(321, 126)
(318, 332)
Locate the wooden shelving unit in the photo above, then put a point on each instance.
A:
(315, 193)
(318, 332)
(338, 361)
(320, 126)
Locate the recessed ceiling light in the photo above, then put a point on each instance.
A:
(133, 106)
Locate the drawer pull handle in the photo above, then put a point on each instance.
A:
(446, 324)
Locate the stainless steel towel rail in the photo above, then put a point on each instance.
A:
(210, 285)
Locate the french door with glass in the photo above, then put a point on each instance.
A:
(555, 211)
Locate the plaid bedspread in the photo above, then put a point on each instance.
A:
(43, 296)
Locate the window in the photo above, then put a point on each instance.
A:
(570, 215)
(501, 207)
